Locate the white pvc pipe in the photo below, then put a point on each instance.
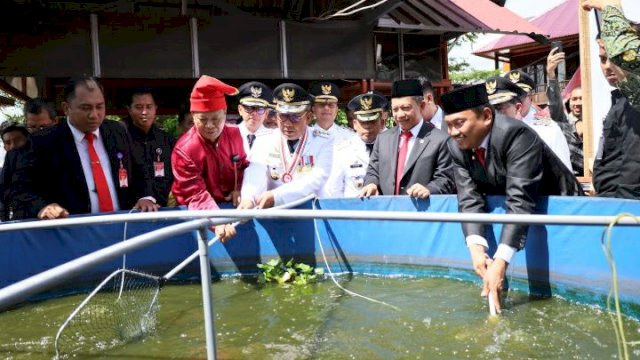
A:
(207, 304)
(527, 219)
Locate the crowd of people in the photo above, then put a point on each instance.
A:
(484, 139)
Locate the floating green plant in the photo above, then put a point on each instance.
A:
(282, 273)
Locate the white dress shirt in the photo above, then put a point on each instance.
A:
(83, 151)
(261, 131)
(438, 118)
(412, 140)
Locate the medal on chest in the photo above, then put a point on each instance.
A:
(290, 167)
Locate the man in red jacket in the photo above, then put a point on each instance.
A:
(209, 159)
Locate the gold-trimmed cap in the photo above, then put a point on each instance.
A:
(367, 107)
(255, 93)
(291, 99)
(325, 91)
(522, 79)
(501, 90)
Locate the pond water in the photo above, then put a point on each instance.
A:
(439, 319)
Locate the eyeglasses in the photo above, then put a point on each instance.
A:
(38, 128)
(294, 118)
(252, 109)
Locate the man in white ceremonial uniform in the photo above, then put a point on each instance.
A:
(352, 156)
(293, 161)
(254, 104)
(544, 126)
(325, 111)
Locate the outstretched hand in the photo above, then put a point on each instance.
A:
(418, 191)
(493, 281)
(369, 190)
(225, 232)
(266, 200)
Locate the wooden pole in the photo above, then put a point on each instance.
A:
(587, 98)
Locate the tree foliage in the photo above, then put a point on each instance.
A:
(460, 72)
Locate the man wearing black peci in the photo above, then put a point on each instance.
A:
(497, 155)
(412, 158)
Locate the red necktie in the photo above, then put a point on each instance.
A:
(480, 156)
(104, 196)
(402, 157)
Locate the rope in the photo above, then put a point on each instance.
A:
(332, 276)
(616, 317)
(124, 256)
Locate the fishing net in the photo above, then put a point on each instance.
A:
(121, 309)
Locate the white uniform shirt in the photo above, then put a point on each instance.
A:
(336, 132)
(350, 167)
(551, 134)
(261, 131)
(267, 168)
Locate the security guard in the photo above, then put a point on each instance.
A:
(352, 155)
(254, 105)
(152, 146)
(325, 111)
(545, 127)
(292, 162)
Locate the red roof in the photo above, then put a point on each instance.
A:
(496, 18)
(456, 16)
(558, 22)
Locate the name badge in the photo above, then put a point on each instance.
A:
(158, 168)
(123, 178)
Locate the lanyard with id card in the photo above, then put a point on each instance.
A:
(123, 177)
(158, 165)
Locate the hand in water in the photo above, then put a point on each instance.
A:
(493, 281)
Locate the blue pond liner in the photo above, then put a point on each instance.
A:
(562, 260)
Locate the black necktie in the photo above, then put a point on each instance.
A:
(292, 145)
(251, 138)
(369, 148)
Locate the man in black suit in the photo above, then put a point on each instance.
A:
(412, 158)
(152, 146)
(39, 114)
(82, 165)
(497, 155)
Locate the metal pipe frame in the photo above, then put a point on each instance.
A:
(22, 290)
(524, 219)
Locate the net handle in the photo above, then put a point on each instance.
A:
(191, 257)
